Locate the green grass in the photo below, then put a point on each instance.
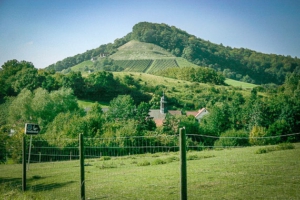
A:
(184, 63)
(135, 50)
(89, 104)
(224, 174)
(161, 64)
(82, 65)
(239, 83)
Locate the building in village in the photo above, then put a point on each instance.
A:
(159, 115)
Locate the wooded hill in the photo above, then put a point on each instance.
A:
(236, 63)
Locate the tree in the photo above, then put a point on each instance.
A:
(144, 121)
(8, 76)
(20, 110)
(67, 125)
(94, 121)
(100, 85)
(40, 106)
(75, 81)
(171, 124)
(121, 108)
(26, 78)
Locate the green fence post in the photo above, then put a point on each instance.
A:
(183, 171)
(81, 157)
(24, 163)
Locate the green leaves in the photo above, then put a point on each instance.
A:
(41, 106)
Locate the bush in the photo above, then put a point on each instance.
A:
(105, 158)
(282, 146)
(158, 162)
(192, 157)
(257, 135)
(171, 159)
(233, 138)
(144, 163)
(285, 146)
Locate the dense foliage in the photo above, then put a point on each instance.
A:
(50, 99)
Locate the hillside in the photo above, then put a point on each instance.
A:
(235, 63)
(135, 50)
(135, 56)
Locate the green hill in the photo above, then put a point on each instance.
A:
(151, 41)
(136, 56)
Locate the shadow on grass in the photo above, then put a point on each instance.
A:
(16, 183)
(47, 186)
(11, 181)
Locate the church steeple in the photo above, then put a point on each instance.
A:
(163, 105)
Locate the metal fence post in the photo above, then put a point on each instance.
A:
(81, 157)
(183, 171)
(24, 163)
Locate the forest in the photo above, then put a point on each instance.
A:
(235, 63)
(50, 99)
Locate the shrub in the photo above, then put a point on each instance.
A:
(171, 159)
(158, 162)
(144, 163)
(257, 135)
(105, 158)
(278, 128)
(232, 138)
(192, 157)
(282, 146)
(285, 146)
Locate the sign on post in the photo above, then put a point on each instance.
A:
(32, 129)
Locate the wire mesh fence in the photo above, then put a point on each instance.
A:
(147, 167)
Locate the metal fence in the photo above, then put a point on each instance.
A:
(110, 163)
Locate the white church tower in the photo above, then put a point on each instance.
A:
(163, 105)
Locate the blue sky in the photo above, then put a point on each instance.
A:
(46, 31)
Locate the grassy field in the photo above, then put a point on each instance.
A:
(88, 104)
(239, 83)
(135, 50)
(212, 174)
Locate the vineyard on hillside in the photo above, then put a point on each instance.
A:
(134, 65)
(148, 65)
(161, 64)
(184, 63)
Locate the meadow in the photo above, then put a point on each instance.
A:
(241, 84)
(232, 173)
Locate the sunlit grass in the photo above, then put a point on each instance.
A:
(89, 104)
(224, 174)
(239, 83)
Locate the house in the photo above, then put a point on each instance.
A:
(159, 115)
(198, 114)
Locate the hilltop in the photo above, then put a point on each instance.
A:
(134, 49)
(235, 63)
